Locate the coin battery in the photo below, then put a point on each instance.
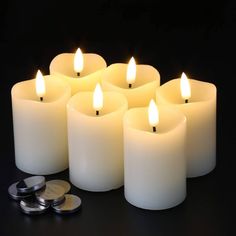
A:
(32, 207)
(53, 194)
(62, 183)
(31, 184)
(14, 194)
(71, 204)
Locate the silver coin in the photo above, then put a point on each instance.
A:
(52, 194)
(32, 207)
(64, 184)
(72, 204)
(31, 184)
(14, 194)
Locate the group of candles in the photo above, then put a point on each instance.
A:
(116, 126)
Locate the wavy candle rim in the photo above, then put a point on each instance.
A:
(144, 127)
(74, 104)
(121, 69)
(59, 67)
(22, 94)
(206, 95)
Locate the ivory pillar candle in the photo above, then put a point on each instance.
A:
(154, 159)
(39, 121)
(137, 83)
(96, 140)
(90, 69)
(200, 111)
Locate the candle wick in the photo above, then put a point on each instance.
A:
(154, 129)
(97, 113)
(130, 85)
(186, 100)
(41, 99)
(78, 74)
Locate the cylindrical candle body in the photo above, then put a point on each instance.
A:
(96, 142)
(62, 66)
(155, 164)
(40, 132)
(200, 112)
(143, 89)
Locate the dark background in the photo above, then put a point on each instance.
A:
(195, 37)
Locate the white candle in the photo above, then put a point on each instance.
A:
(137, 83)
(39, 121)
(81, 70)
(96, 140)
(154, 157)
(198, 103)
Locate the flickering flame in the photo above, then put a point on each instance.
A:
(78, 61)
(40, 84)
(131, 71)
(153, 114)
(98, 98)
(185, 87)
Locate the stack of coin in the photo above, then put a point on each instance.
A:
(36, 196)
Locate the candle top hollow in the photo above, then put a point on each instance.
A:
(83, 103)
(116, 74)
(169, 119)
(63, 64)
(56, 90)
(200, 92)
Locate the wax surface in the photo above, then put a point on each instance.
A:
(40, 133)
(142, 91)
(63, 66)
(155, 164)
(200, 112)
(96, 142)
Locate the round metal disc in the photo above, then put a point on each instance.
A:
(62, 183)
(14, 194)
(31, 184)
(71, 204)
(32, 207)
(53, 194)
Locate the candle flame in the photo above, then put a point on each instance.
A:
(185, 87)
(78, 61)
(98, 98)
(153, 114)
(131, 71)
(40, 84)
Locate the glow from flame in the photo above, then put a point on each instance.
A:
(78, 61)
(40, 84)
(98, 98)
(185, 87)
(131, 71)
(153, 114)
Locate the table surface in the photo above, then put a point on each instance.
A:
(204, 51)
(206, 211)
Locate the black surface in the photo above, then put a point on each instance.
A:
(198, 38)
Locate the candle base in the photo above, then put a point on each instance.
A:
(91, 188)
(155, 207)
(41, 170)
